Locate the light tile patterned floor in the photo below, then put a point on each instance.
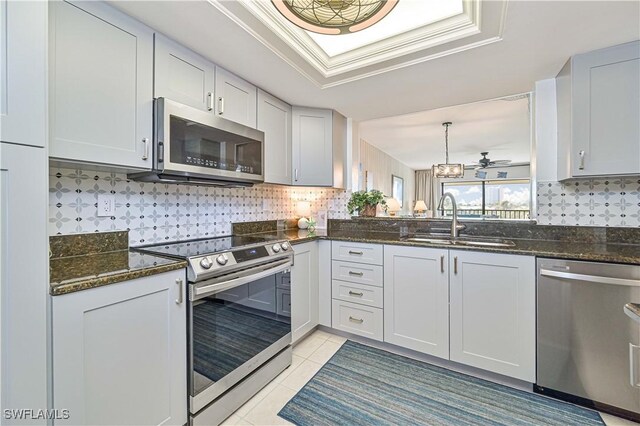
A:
(308, 357)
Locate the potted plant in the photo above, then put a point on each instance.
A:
(365, 202)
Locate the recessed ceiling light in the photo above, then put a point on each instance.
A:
(334, 17)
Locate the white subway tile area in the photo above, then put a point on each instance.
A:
(158, 212)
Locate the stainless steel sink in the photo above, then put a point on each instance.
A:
(461, 241)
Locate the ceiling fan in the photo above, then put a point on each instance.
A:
(486, 162)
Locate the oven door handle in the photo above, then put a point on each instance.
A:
(220, 284)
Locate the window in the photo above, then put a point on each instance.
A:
(508, 199)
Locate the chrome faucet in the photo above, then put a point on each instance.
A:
(456, 226)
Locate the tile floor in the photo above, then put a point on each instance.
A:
(308, 357)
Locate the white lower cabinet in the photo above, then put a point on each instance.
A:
(119, 352)
(304, 289)
(357, 319)
(416, 299)
(493, 312)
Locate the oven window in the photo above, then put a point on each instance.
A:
(234, 326)
(197, 145)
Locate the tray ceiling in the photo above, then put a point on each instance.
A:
(415, 31)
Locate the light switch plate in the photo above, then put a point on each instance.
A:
(106, 205)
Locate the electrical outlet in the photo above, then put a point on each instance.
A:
(266, 205)
(106, 205)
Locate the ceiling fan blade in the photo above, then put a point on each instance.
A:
(500, 161)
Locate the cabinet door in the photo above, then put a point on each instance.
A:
(101, 75)
(182, 75)
(23, 56)
(304, 289)
(119, 352)
(236, 99)
(274, 119)
(606, 107)
(493, 312)
(312, 147)
(24, 266)
(416, 299)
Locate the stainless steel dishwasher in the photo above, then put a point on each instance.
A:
(588, 348)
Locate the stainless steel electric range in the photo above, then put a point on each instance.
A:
(239, 323)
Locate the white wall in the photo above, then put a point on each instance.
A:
(382, 165)
(546, 130)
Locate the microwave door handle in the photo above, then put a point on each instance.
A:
(208, 290)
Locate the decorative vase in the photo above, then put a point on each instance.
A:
(368, 210)
(303, 223)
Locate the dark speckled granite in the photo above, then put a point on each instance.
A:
(84, 261)
(576, 244)
(82, 244)
(527, 230)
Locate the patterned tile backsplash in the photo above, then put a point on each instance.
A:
(157, 212)
(590, 202)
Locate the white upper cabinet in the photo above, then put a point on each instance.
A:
(274, 119)
(23, 56)
(119, 353)
(236, 99)
(598, 96)
(313, 147)
(416, 299)
(182, 75)
(493, 312)
(101, 85)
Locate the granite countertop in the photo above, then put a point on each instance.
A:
(85, 261)
(75, 273)
(597, 252)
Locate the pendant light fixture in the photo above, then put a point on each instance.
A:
(448, 170)
(334, 17)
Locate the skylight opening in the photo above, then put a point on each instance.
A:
(406, 16)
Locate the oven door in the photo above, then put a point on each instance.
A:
(235, 326)
(190, 142)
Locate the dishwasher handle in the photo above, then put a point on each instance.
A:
(590, 278)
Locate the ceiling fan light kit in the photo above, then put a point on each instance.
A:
(446, 169)
(334, 17)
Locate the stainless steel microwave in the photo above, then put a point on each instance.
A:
(196, 147)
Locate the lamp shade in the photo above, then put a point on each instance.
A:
(420, 206)
(393, 205)
(303, 209)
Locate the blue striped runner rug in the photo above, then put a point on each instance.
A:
(362, 385)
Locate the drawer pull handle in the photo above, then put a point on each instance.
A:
(357, 274)
(455, 265)
(180, 283)
(358, 320)
(353, 293)
(357, 253)
(442, 264)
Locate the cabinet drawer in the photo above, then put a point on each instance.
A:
(357, 252)
(357, 293)
(357, 273)
(357, 319)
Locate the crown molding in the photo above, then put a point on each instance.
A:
(478, 25)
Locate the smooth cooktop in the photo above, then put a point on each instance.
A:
(186, 249)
